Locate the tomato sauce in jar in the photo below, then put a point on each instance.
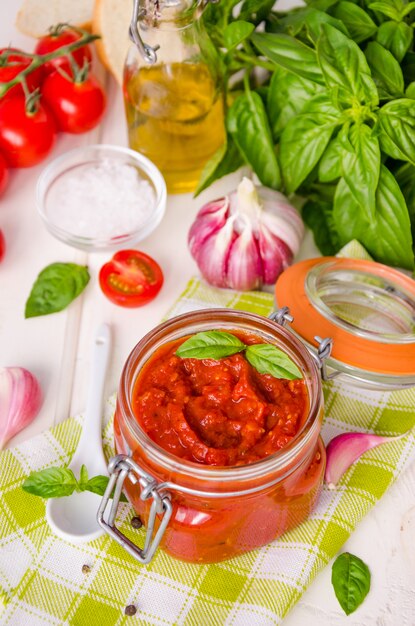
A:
(238, 451)
(216, 412)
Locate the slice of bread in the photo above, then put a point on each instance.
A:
(36, 16)
(111, 19)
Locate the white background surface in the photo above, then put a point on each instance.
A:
(56, 349)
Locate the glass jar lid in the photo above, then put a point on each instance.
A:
(368, 309)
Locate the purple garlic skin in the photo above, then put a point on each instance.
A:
(246, 239)
(20, 401)
(344, 450)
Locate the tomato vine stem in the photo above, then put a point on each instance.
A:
(40, 59)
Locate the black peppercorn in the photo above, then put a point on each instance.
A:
(136, 522)
(130, 610)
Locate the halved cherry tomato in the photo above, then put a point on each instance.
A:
(4, 174)
(25, 138)
(76, 106)
(2, 245)
(12, 62)
(56, 39)
(131, 278)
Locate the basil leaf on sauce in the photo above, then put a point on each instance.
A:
(55, 288)
(212, 344)
(350, 578)
(269, 359)
(53, 482)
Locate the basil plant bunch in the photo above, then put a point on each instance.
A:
(321, 104)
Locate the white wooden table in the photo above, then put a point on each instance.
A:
(56, 348)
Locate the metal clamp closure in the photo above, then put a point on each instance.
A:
(121, 467)
(283, 317)
(324, 349)
(147, 52)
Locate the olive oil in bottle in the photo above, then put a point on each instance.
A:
(175, 118)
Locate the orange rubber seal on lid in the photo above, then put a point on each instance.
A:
(348, 347)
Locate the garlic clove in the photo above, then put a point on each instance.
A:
(244, 264)
(211, 218)
(290, 228)
(20, 401)
(275, 254)
(212, 257)
(343, 450)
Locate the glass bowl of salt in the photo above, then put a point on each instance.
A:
(101, 197)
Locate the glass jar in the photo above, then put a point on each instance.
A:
(215, 513)
(172, 92)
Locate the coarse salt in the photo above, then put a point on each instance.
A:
(101, 201)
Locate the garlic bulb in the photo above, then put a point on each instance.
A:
(247, 238)
(20, 401)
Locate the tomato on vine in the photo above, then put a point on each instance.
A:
(62, 35)
(12, 62)
(27, 131)
(77, 103)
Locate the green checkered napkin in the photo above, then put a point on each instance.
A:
(41, 579)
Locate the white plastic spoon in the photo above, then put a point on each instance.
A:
(74, 517)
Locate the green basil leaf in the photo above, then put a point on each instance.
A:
(350, 577)
(304, 140)
(318, 216)
(53, 482)
(98, 485)
(236, 32)
(406, 10)
(55, 287)
(386, 8)
(226, 160)
(255, 11)
(289, 53)
(248, 124)
(310, 21)
(330, 166)
(269, 359)
(83, 478)
(344, 67)
(397, 123)
(288, 94)
(405, 176)
(410, 91)
(387, 236)
(386, 71)
(396, 37)
(361, 166)
(212, 344)
(359, 24)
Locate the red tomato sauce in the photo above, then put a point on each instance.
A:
(217, 412)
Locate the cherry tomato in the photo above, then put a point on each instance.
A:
(131, 278)
(25, 138)
(56, 39)
(76, 106)
(11, 64)
(4, 174)
(2, 245)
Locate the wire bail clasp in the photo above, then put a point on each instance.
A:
(147, 52)
(120, 467)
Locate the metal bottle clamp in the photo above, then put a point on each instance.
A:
(147, 52)
(283, 317)
(121, 467)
